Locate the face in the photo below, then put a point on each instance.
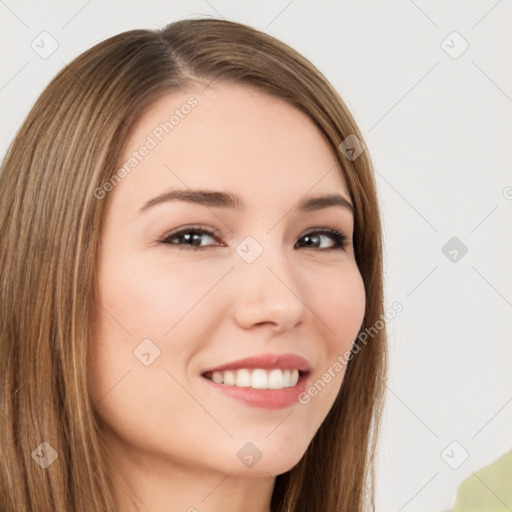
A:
(187, 289)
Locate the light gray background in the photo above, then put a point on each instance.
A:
(439, 130)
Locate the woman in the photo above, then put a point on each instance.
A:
(143, 370)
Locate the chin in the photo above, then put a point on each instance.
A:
(265, 468)
(273, 455)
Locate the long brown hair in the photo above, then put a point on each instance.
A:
(50, 223)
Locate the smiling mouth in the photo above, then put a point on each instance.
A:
(256, 378)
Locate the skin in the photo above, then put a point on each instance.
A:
(174, 436)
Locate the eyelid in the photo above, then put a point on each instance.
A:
(192, 227)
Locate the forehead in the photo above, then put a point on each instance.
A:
(231, 137)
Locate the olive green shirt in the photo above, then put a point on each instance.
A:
(487, 490)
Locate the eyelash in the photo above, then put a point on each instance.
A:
(340, 239)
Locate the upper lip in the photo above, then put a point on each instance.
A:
(283, 361)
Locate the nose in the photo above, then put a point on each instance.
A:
(267, 291)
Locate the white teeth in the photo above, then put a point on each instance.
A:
(229, 378)
(217, 377)
(275, 379)
(257, 378)
(243, 379)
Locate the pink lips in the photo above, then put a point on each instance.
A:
(282, 361)
(265, 398)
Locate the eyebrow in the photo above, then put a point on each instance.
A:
(217, 199)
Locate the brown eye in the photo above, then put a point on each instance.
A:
(313, 238)
(189, 237)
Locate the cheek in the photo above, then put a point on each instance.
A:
(341, 307)
(340, 312)
(135, 303)
(138, 301)
(148, 300)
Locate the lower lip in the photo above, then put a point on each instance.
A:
(264, 398)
